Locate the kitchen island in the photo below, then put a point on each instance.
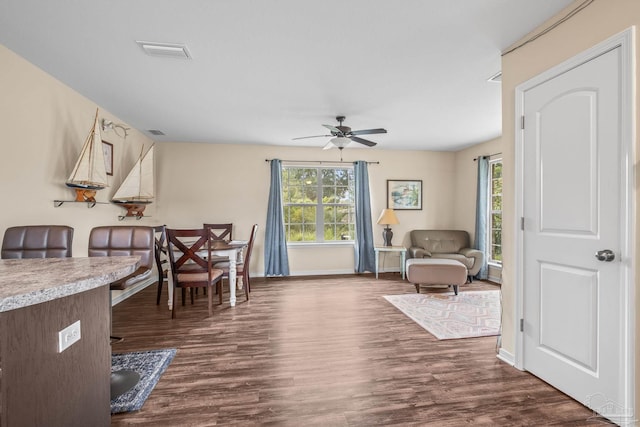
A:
(55, 354)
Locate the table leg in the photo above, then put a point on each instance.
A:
(170, 288)
(403, 256)
(232, 277)
(377, 261)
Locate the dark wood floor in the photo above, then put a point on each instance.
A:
(326, 351)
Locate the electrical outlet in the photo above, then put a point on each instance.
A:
(68, 336)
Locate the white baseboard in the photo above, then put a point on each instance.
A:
(320, 272)
(118, 296)
(506, 357)
(495, 279)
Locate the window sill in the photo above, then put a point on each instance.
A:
(494, 265)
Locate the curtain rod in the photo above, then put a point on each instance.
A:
(488, 155)
(320, 161)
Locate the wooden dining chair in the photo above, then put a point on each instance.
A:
(162, 258)
(222, 232)
(190, 261)
(242, 269)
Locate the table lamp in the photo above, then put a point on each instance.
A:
(387, 217)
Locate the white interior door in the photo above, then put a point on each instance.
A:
(574, 205)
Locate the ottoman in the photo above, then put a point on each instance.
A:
(430, 271)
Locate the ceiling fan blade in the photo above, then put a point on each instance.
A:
(333, 129)
(367, 131)
(362, 141)
(328, 146)
(315, 136)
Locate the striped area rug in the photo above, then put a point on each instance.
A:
(447, 316)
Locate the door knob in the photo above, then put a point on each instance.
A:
(605, 255)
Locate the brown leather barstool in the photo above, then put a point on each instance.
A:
(37, 241)
(125, 241)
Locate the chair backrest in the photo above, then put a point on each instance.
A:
(161, 253)
(440, 241)
(125, 241)
(37, 241)
(252, 238)
(189, 255)
(220, 231)
(122, 241)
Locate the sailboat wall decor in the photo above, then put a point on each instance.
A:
(136, 191)
(89, 173)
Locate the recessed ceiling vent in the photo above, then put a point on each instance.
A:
(496, 78)
(166, 50)
(155, 132)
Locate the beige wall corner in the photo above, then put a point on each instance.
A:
(594, 24)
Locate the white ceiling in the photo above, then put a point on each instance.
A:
(264, 72)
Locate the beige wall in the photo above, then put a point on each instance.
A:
(44, 125)
(601, 20)
(218, 182)
(464, 212)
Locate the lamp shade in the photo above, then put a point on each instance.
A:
(340, 141)
(388, 216)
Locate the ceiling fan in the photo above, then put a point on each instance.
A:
(343, 135)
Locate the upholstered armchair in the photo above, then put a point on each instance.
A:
(447, 244)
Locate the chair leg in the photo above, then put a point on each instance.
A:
(160, 282)
(245, 281)
(184, 295)
(220, 289)
(173, 303)
(210, 299)
(192, 292)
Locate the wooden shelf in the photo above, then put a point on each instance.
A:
(136, 217)
(58, 203)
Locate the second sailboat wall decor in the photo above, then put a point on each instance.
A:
(89, 173)
(136, 191)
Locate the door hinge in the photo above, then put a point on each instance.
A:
(521, 325)
(522, 122)
(522, 223)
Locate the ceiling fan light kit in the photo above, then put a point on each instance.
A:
(343, 135)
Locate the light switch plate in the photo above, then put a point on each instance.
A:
(68, 336)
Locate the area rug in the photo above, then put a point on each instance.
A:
(150, 365)
(467, 315)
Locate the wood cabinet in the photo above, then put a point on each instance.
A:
(40, 386)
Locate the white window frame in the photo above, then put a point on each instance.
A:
(492, 212)
(319, 224)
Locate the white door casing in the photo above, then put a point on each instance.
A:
(574, 175)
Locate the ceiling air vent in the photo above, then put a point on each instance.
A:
(496, 78)
(167, 50)
(155, 132)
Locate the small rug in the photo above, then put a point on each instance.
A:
(150, 365)
(469, 314)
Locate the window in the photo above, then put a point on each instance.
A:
(318, 203)
(495, 211)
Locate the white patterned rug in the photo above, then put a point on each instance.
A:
(446, 316)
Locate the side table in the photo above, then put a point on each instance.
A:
(403, 255)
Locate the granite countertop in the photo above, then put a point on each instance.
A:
(25, 282)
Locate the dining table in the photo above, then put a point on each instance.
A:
(231, 249)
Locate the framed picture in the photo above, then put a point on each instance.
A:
(404, 194)
(107, 149)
